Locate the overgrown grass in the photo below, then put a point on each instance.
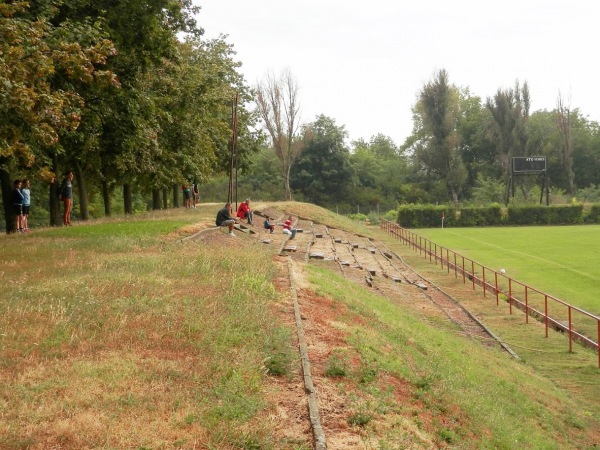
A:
(113, 336)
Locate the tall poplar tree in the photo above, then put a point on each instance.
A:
(439, 152)
(510, 112)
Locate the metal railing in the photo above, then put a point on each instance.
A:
(554, 313)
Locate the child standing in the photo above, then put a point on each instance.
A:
(26, 204)
(18, 202)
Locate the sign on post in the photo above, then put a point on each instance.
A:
(529, 164)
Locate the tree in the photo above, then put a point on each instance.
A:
(34, 110)
(323, 172)
(564, 125)
(439, 110)
(510, 113)
(381, 172)
(279, 108)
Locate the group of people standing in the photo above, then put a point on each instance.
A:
(22, 201)
(191, 195)
(244, 212)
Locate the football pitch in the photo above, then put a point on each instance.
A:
(561, 261)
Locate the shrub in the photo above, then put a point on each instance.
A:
(593, 216)
(426, 216)
(358, 216)
(337, 366)
(545, 215)
(491, 215)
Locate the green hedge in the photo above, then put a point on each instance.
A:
(430, 216)
(545, 215)
(594, 215)
(426, 216)
(477, 217)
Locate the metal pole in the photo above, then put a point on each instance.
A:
(233, 150)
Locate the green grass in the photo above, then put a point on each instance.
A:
(465, 389)
(113, 325)
(115, 335)
(561, 261)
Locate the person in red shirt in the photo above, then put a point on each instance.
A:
(244, 211)
(288, 228)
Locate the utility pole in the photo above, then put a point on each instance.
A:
(233, 145)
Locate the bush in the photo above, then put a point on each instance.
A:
(358, 216)
(593, 216)
(426, 216)
(391, 215)
(545, 215)
(471, 217)
(373, 219)
(429, 216)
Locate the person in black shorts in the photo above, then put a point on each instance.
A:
(66, 196)
(26, 204)
(18, 202)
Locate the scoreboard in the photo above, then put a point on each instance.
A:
(528, 164)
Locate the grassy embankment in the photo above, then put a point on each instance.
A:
(116, 335)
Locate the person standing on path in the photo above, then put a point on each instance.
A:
(66, 196)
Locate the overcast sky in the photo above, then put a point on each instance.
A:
(364, 63)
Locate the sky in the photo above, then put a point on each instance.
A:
(364, 63)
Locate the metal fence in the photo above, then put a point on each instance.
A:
(554, 313)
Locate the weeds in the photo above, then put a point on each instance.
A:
(337, 365)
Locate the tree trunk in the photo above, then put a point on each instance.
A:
(106, 198)
(127, 201)
(175, 195)
(286, 180)
(155, 199)
(54, 203)
(165, 194)
(454, 196)
(84, 212)
(7, 200)
(56, 219)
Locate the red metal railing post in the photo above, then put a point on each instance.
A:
(510, 295)
(570, 332)
(435, 258)
(483, 278)
(496, 285)
(546, 312)
(455, 268)
(448, 260)
(473, 273)
(526, 307)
